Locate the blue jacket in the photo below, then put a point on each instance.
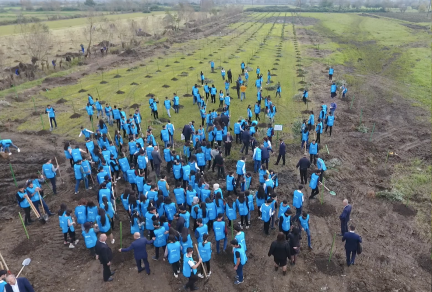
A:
(23, 285)
(351, 241)
(345, 216)
(139, 248)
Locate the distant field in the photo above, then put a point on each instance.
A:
(68, 23)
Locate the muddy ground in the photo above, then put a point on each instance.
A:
(396, 253)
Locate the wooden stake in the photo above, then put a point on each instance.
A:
(25, 229)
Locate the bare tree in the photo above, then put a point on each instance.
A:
(37, 39)
(90, 30)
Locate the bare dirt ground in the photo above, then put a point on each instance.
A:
(396, 252)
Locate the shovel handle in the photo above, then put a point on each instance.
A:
(202, 264)
(325, 187)
(4, 262)
(20, 271)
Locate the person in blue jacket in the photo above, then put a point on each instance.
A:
(240, 260)
(51, 114)
(90, 238)
(330, 122)
(314, 184)
(173, 253)
(220, 232)
(298, 200)
(90, 109)
(333, 89)
(212, 66)
(160, 238)
(330, 72)
(205, 250)
(305, 95)
(304, 223)
(313, 151)
(190, 269)
(321, 167)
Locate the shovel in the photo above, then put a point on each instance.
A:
(202, 265)
(44, 215)
(331, 192)
(26, 262)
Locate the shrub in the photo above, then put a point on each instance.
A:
(296, 129)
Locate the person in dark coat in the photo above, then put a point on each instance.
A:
(352, 241)
(246, 140)
(187, 132)
(229, 75)
(294, 242)
(219, 161)
(180, 222)
(104, 253)
(157, 160)
(282, 151)
(280, 250)
(265, 155)
(303, 164)
(140, 251)
(20, 284)
(345, 217)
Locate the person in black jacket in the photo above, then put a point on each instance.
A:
(282, 151)
(187, 132)
(227, 142)
(246, 140)
(294, 241)
(104, 253)
(219, 161)
(280, 250)
(303, 164)
(229, 74)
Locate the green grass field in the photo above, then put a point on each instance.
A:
(226, 56)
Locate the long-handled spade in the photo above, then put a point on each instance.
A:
(202, 265)
(59, 170)
(330, 192)
(25, 262)
(44, 215)
(4, 262)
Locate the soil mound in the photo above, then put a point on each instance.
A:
(187, 95)
(322, 210)
(120, 92)
(174, 79)
(134, 83)
(196, 30)
(82, 90)
(135, 105)
(75, 116)
(165, 86)
(404, 210)
(61, 100)
(329, 268)
(103, 82)
(147, 76)
(59, 80)
(117, 76)
(43, 132)
(150, 95)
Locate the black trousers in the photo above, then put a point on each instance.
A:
(257, 117)
(245, 146)
(71, 236)
(55, 122)
(203, 120)
(279, 157)
(238, 138)
(207, 266)
(318, 139)
(207, 95)
(303, 175)
(118, 123)
(331, 127)
(314, 192)
(230, 79)
(321, 175)
(239, 177)
(192, 280)
(157, 169)
(176, 267)
(221, 171)
(227, 149)
(53, 183)
(106, 272)
(312, 159)
(213, 98)
(27, 215)
(266, 227)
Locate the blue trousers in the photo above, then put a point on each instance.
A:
(257, 165)
(308, 236)
(240, 272)
(78, 182)
(298, 213)
(224, 245)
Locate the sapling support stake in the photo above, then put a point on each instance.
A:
(373, 129)
(331, 250)
(98, 93)
(13, 174)
(322, 197)
(34, 104)
(121, 235)
(352, 100)
(73, 106)
(361, 115)
(43, 126)
(25, 229)
(327, 149)
(387, 156)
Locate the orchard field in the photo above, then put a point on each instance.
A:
(378, 155)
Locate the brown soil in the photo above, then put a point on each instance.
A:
(61, 100)
(82, 90)
(330, 268)
(75, 116)
(147, 76)
(187, 95)
(150, 95)
(103, 82)
(120, 92)
(174, 79)
(404, 210)
(134, 83)
(135, 105)
(165, 86)
(117, 76)
(321, 210)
